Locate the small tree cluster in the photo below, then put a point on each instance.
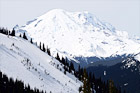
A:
(11, 33)
(42, 47)
(68, 67)
(24, 36)
(48, 51)
(8, 85)
(7, 32)
(91, 84)
(86, 83)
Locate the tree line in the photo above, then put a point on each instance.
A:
(8, 85)
(90, 83)
(7, 32)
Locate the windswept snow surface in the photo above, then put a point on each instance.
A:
(22, 60)
(79, 34)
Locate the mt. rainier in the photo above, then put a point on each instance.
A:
(78, 34)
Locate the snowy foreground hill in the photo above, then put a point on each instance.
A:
(22, 60)
(79, 34)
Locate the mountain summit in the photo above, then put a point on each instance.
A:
(79, 34)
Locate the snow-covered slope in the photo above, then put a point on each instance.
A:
(137, 57)
(22, 60)
(79, 34)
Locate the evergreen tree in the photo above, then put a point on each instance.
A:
(64, 71)
(58, 58)
(24, 36)
(48, 51)
(4, 31)
(72, 66)
(63, 61)
(80, 89)
(20, 35)
(43, 49)
(111, 87)
(11, 86)
(79, 74)
(31, 41)
(13, 33)
(40, 46)
(86, 86)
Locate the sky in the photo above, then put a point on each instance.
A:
(124, 15)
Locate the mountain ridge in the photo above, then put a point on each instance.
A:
(78, 34)
(125, 73)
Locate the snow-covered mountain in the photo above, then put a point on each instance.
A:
(79, 34)
(24, 61)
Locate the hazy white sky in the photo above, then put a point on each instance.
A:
(122, 14)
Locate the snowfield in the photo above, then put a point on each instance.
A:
(22, 60)
(79, 34)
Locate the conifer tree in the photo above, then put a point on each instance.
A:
(13, 33)
(10, 86)
(24, 36)
(31, 41)
(79, 75)
(72, 66)
(48, 51)
(57, 57)
(80, 89)
(86, 86)
(40, 46)
(111, 87)
(20, 35)
(43, 49)
(63, 61)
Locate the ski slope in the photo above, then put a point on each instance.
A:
(24, 61)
